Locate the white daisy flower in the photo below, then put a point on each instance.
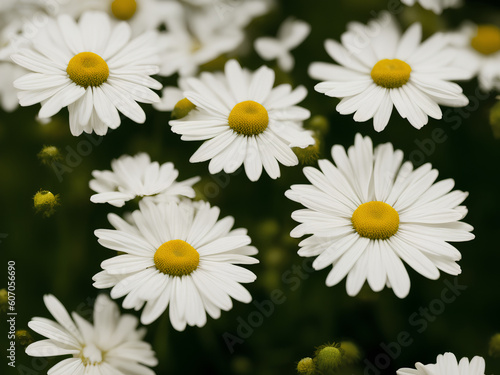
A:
(446, 364)
(379, 68)
(13, 35)
(245, 120)
(201, 33)
(370, 212)
(133, 176)
(179, 255)
(291, 34)
(92, 68)
(436, 6)
(480, 52)
(112, 345)
(194, 40)
(141, 15)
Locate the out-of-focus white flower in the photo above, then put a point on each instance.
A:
(436, 6)
(200, 34)
(291, 34)
(9, 72)
(479, 47)
(171, 96)
(17, 28)
(141, 15)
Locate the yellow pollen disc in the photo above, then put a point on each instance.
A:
(248, 118)
(375, 220)
(88, 69)
(391, 74)
(176, 258)
(124, 9)
(487, 39)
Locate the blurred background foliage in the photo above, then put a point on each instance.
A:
(60, 254)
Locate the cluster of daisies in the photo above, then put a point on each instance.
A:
(367, 214)
(175, 253)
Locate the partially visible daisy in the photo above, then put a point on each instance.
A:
(291, 34)
(176, 255)
(112, 345)
(436, 6)
(141, 15)
(199, 34)
(370, 212)
(13, 16)
(93, 68)
(380, 69)
(171, 95)
(446, 364)
(186, 48)
(480, 52)
(245, 121)
(8, 94)
(133, 176)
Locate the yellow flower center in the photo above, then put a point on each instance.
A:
(375, 220)
(176, 258)
(391, 74)
(487, 39)
(248, 118)
(91, 355)
(124, 9)
(88, 69)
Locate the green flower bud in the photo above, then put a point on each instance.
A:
(328, 358)
(24, 338)
(494, 349)
(351, 352)
(49, 154)
(182, 108)
(4, 300)
(306, 366)
(310, 154)
(319, 124)
(495, 120)
(45, 202)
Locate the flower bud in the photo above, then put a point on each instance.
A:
(306, 366)
(45, 202)
(182, 108)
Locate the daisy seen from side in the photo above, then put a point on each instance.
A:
(137, 176)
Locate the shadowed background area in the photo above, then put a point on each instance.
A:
(293, 311)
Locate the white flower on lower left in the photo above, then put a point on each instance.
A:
(113, 345)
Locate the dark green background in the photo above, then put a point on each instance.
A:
(60, 254)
